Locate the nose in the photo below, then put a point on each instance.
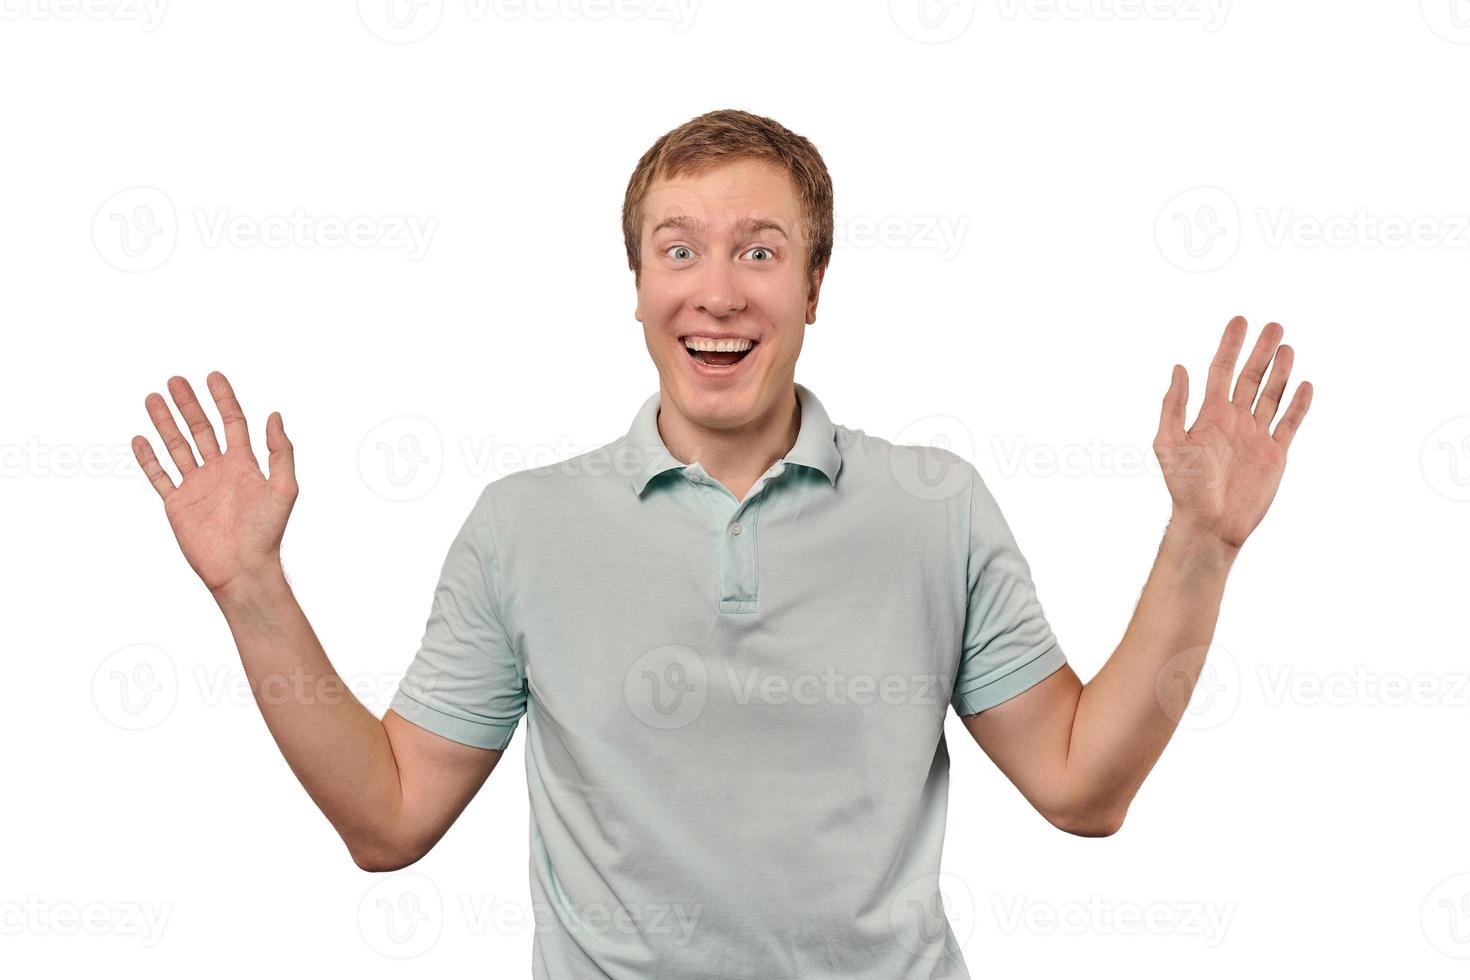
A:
(719, 292)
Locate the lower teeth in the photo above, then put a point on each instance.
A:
(699, 356)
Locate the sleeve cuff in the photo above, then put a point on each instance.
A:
(477, 733)
(992, 691)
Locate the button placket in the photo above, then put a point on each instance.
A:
(739, 564)
(736, 553)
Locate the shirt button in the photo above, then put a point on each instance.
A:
(735, 528)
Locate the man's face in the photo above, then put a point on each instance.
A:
(723, 259)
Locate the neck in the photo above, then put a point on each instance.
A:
(735, 456)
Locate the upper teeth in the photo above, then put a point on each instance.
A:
(703, 343)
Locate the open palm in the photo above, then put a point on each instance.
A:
(1222, 472)
(228, 517)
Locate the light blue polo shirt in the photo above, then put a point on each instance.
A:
(735, 710)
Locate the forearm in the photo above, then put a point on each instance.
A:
(1127, 713)
(337, 748)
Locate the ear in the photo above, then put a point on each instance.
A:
(814, 290)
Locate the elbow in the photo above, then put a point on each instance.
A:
(1090, 821)
(381, 858)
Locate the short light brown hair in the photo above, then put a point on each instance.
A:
(723, 136)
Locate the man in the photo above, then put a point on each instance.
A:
(735, 630)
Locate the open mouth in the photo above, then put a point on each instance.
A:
(718, 353)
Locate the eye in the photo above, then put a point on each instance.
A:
(688, 253)
(761, 248)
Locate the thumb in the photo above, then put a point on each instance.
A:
(282, 458)
(1171, 416)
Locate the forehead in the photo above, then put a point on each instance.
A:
(724, 195)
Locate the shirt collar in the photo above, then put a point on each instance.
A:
(816, 442)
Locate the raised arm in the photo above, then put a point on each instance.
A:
(1079, 753)
(389, 788)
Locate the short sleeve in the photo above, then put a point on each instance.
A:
(464, 682)
(1008, 645)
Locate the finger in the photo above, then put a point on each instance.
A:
(1255, 366)
(1276, 386)
(237, 433)
(1295, 412)
(178, 447)
(1222, 368)
(282, 459)
(1171, 416)
(194, 417)
(143, 453)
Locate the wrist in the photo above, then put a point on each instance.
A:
(251, 585)
(1199, 539)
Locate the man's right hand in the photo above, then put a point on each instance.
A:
(228, 517)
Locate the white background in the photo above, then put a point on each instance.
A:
(1046, 255)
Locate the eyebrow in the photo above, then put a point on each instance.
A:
(743, 228)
